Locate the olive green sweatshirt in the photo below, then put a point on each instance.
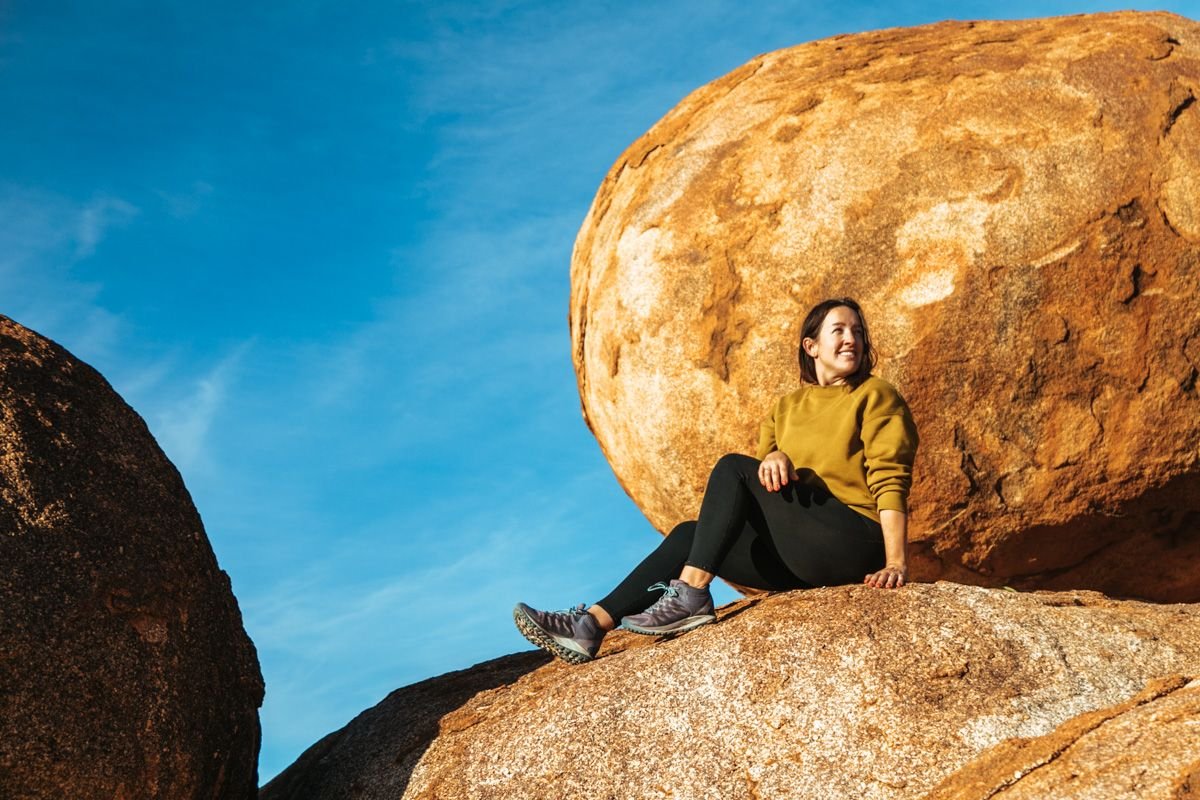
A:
(860, 441)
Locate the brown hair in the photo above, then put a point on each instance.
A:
(811, 329)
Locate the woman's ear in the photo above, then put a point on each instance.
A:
(810, 346)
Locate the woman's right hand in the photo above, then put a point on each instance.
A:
(775, 471)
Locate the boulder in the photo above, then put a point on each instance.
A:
(124, 668)
(829, 693)
(1147, 748)
(1015, 206)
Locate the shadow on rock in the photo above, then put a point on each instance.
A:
(375, 753)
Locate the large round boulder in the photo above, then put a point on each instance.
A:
(1015, 206)
(124, 668)
(829, 694)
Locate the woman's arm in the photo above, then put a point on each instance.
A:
(766, 435)
(895, 546)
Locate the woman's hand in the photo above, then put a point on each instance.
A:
(895, 546)
(775, 471)
(890, 577)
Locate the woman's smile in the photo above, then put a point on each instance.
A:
(837, 349)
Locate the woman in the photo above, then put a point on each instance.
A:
(824, 503)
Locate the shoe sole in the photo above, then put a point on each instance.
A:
(536, 635)
(681, 626)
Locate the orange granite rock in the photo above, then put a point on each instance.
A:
(843, 692)
(125, 673)
(1147, 748)
(1014, 204)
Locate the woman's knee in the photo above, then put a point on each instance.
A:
(734, 465)
(684, 530)
(680, 538)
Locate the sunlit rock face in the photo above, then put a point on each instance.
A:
(1017, 207)
(1146, 748)
(828, 694)
(124, 668)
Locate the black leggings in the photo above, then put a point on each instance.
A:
(801, 536)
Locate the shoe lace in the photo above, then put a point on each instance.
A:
(570, 612)
(668, 592)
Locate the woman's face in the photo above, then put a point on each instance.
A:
(837, 350)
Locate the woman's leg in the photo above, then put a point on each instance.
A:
(820, 540)
(662, 564)
(575, 635)
(800, 536)
(750, 559)
(723, 530)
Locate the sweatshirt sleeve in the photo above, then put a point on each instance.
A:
(766, 435)
(889, 447)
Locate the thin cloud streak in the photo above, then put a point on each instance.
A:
(37, 255)
(186, 203)
(96, 218)
(319, 618)
(183, 429)
(36, 278)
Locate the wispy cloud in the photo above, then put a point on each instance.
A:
(40, 238)
(340, 632)
(185, 203)
(31, 226)
(183, 428)
(100, 214)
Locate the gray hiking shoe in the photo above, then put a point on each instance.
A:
(680, 609)
(572, 635)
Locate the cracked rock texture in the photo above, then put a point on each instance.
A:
(1015, 205)
(1147, 748)
(125, 672)
(829, 693)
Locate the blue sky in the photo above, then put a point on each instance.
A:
(323, 248)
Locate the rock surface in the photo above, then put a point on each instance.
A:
(124, 668)
(830, 693)
(1147, 748)
(1014, 204)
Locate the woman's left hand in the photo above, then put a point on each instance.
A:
(890, 577)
